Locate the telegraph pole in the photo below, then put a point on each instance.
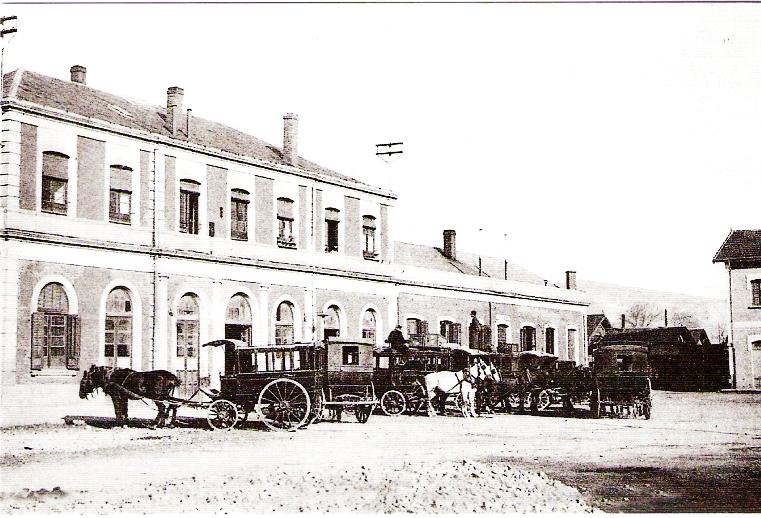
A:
(7, 28)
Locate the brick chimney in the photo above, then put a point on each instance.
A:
(291, 139)
(174, 95)
(450, 250)
(570, 280)
(78, 74)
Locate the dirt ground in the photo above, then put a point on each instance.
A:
(700, 452)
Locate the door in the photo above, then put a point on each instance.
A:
(187, 360)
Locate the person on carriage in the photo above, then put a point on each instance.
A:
(396, 340)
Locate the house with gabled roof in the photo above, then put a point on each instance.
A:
(741, 254)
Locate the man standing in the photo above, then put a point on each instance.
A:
(396, 340)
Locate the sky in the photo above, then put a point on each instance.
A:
(620, 141)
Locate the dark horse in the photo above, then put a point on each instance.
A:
(125, 384)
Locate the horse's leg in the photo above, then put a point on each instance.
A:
(117, 409)
(125, 410)
(160, 420)
(430, 393)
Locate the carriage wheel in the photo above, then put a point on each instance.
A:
(284, 405)
(542, 400)
(222, 415)
(594, 402)
(362, 412)
(514, 400)
(392, 403)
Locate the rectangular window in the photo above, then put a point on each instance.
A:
(55, 341)
(332, 237)
(756, 289)
(54, 197)
(351, 355)
(119, 206)
(450, 331)
(528, 339)
(285, 237)
(283, 334)
(189, 212)
(368, 334)
(368, 233)
(118, 336)
(239, 220)
(549, 340)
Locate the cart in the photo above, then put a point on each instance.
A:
(622, 386)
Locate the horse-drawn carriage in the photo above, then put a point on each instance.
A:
(621, 385)
(288, 386)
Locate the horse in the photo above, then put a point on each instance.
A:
(445, 383)
(125, 384)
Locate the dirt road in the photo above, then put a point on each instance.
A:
(700, 452)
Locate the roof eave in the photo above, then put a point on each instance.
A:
(45, 111)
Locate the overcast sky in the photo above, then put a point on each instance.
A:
(621, 141)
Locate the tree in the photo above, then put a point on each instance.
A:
(721, 333)
(683, 318)
(641, 315)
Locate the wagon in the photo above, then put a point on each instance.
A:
(399, 377)
(290, 386)
(622, 386)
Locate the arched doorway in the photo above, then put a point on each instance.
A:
(118, 330)
(238, 320)
(187, 355)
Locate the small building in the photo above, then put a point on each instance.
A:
(741, 255)
(598, 326)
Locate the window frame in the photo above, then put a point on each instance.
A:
(755, 292)
(48, 203)
(189, 212)
(119, 217)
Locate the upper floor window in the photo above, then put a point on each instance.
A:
(239, 215)
(120, 194)
(285, 237)
(332, 219)
(55, 182)
(368, 233)
(190, 191)
(755, 286)
(450, 331)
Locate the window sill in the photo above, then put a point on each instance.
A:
(62, 212)
(244, 239)
(754, 307)
(373, 257)
(54, 373)
(120, 222)
(282, 244)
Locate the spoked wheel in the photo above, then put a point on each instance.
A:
(362, 412)
(222, 415)
(543, 400)
(284, 405)
(392, 403)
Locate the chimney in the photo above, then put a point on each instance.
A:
(570, 280)
(174, 96)
(78, 74)
(623, 321)
(450, 250)
(290, 139)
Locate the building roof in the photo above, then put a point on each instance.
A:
(740, 244)
(78, 99)
(431, 257)
(677, 334)
(594, 321)
(700, 336)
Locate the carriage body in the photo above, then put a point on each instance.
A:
(622, 385)
(399, 376)
(289, 385)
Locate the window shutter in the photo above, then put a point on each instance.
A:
(423, 327)
(38, 340)
(72, 342)
(457, 333)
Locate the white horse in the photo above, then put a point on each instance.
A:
(462, 383)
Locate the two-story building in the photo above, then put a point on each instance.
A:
(741, 255)
(132, 234)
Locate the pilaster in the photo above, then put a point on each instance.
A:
(10, 164)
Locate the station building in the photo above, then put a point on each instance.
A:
(132, 234)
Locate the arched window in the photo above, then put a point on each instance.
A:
(284, 323)
(331, 323)
(118, 336)
(285, 238)
(55, 333)
(238, 321)
(451, 331)
(368, 233)
(187, 359)
(369, 325)
(55, 182)
(528, 338)
(549, 340)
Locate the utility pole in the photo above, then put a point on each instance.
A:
(5, 31)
